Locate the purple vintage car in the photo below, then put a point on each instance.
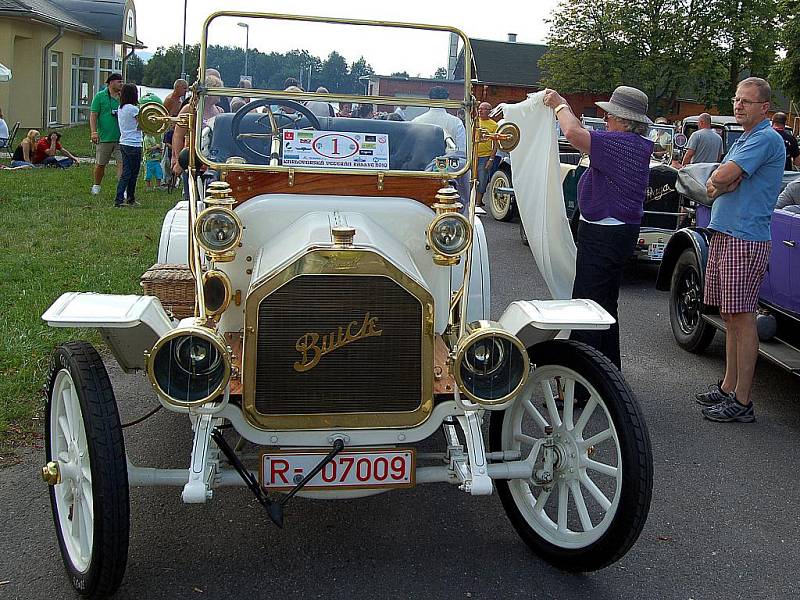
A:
(694, 324)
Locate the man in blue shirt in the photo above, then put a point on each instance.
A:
(746, 187)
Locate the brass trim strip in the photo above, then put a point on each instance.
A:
(350, 261)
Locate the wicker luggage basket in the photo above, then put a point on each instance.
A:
(173, 285)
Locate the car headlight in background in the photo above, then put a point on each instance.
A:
(218, 231)
(189, 366)
(491, 364)
(449, 235)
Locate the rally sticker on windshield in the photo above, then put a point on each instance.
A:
(335, 149)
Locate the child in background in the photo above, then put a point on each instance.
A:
(152, 156)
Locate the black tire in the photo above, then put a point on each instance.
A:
(691, 331)
(635, 455)
(106, 452)
(501, 207)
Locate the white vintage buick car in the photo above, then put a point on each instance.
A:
(319, 307)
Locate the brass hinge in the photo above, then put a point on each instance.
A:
(291, 177)
(380, 182)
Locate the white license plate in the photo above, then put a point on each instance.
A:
(656, 251)
(349, 469)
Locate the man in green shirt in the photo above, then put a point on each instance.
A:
(105, 128)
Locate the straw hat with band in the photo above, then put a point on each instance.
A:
(627, 103)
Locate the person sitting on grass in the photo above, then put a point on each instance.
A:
(152, 156)
(23, 155)
(47, 149)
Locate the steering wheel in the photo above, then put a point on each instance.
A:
(251, 153)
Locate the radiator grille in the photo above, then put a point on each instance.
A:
(381, 373)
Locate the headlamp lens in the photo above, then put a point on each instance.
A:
(450, 234)
(218, 230)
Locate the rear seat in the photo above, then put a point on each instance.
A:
(412, 146)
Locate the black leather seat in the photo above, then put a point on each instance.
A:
(412, 146)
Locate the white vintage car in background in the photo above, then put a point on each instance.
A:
(319, 307)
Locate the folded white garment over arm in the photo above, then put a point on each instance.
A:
(540, 199)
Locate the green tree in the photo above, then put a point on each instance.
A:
(586, 50)
(441, 73)
(786, 72)
(134, 69)
(164, 67)
(360, 68)
(334, 74)
(670, 49)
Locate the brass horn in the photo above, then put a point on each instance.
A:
(153, 119)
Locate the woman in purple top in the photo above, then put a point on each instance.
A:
(611, 197)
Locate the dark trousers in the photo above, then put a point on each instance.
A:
(131, 164)
(603, 251)
(52, 161)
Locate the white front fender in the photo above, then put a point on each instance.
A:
(130, 325)
(534, 321)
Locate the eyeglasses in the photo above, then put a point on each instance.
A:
(747, 102)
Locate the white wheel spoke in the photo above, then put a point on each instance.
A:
(86, 473)
(66, 403)
(75, 523)
(541, 500)
(563, 505)
(598, 495)
(86, 524)
(580, 504)
(534, 413)
(86, 501)
(63, 425)
(585, 416)
(550, 402)
(63, 456)
(601, 468)
(599, 437)
(569, 402)
(525, 438)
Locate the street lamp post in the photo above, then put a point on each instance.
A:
(183, 48)
(246, 43)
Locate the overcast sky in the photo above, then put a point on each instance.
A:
(160, 22)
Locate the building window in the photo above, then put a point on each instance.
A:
(83, 89)
(52, 92)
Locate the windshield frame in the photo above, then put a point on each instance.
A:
(467, 103)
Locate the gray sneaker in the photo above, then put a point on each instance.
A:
(730, 411)
(713, 396)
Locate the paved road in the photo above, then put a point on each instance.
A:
(724, 521)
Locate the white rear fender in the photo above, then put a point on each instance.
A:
(534, 321)
(130, 325)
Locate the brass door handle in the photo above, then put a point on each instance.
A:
(790, 243)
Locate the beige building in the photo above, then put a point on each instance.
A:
(60, 53)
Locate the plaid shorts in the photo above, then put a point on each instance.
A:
(734, 273)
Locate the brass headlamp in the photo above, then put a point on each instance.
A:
(450, 233)
(218, 229)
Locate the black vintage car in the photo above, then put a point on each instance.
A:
(663, 211)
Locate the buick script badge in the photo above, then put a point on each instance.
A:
(314, 346)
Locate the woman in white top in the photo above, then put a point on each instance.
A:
(130, 145)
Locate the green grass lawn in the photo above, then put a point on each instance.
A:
(59, 238)
(76, 139)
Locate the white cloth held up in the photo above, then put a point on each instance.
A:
(539, 197)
